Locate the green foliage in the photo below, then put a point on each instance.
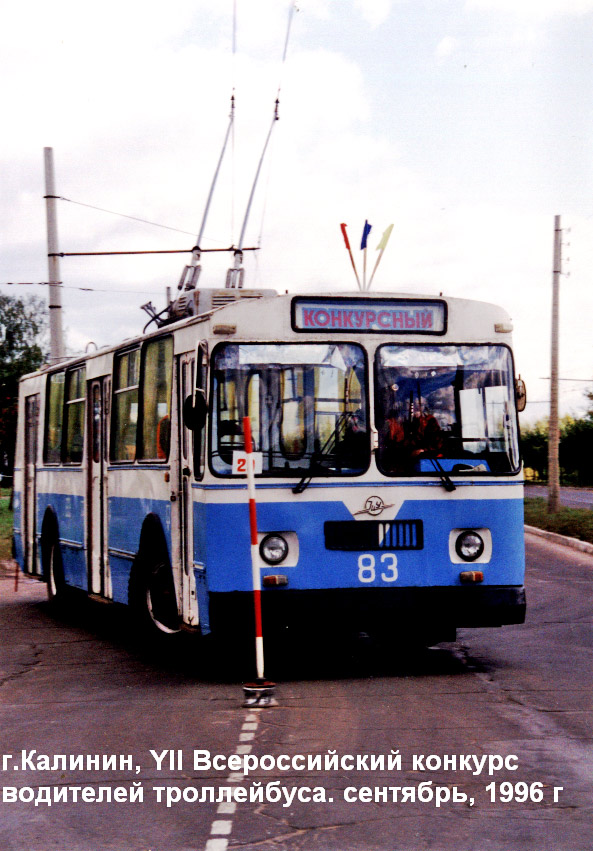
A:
(5, 525)
(22, 323)
(573, 522)
(576, 450)
(534, 448)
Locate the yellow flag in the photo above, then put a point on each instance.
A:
(385, 238)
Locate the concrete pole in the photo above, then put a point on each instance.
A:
(56, 340)
(554, 427)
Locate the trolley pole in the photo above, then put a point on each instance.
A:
(260, 693)
(554, 427)
(56, 341)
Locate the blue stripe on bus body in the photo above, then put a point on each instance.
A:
(69, 510)
(221, 534)
(126, 516)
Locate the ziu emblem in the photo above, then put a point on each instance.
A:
(373, 506)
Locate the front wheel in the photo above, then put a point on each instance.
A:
(54, 573)
(153, 600)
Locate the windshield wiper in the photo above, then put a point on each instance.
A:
(323, 453)
(443, 476)
(314, 464)
(430, 453)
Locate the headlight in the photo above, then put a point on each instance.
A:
(469, 546)
(273, 549)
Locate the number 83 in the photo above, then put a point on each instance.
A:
(367, 571)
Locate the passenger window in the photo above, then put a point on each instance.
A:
(74, 426)
(156, 400)
(125, 406)
(54, 411)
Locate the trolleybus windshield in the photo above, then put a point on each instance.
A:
(307, 404)
(448, 406)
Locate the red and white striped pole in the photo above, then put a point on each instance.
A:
(255, 569)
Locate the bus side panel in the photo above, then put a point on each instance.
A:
(200, 560)
(69, 511)
(228, 544)
(126, 516)
(17, 521)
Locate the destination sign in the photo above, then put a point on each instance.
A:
(374, 316)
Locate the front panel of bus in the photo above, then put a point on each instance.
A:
(388, 475)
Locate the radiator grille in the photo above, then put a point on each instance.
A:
(374, 535)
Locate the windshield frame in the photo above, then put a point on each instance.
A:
(312, 468)
(433, 458)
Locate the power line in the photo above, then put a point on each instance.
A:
(67, 287)
(121, 215)
(151, 251)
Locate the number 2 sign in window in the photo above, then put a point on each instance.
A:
(240, 462)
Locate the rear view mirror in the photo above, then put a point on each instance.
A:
(520, 394)
(194, 412)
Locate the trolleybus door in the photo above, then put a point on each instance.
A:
(29, 522)
(185, 384)
(99, 580)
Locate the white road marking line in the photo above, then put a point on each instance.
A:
(222, 828)
(217, 845)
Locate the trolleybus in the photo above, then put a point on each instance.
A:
(387, 469)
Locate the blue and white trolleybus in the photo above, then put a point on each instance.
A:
(388, 476)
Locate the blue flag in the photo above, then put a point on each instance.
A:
(365, 234)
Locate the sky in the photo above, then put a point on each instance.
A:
(468, 124)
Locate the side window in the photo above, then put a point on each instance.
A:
(156, 399)
(199, 441)
(124, 415)
(54, 410)
(74, 415)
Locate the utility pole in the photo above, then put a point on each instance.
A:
(56, 341)
(554, 428)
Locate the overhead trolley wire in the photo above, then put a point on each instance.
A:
(122, 215)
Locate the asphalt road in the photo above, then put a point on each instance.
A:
(79, 685)
(571, 497)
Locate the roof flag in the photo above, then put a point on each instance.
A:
(381, 248)
(343, 227)
(365, 234)
(385, 238)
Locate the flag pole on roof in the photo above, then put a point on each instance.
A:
(343, 227)
(381, 248)
(363, 247)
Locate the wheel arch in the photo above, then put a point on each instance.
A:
(152, 535)
(152, 591)
(50, 533)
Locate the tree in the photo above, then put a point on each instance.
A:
(22, 324)
(534, 448)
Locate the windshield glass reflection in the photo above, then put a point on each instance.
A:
(445, 406)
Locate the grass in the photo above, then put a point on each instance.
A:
(5, 524)
(573, 522)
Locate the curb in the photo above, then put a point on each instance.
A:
(573, 543)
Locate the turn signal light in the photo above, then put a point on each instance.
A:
(471, 576)
(274, 580)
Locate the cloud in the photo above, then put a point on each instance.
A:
(374, 12)
(446, 47)
(534, 9)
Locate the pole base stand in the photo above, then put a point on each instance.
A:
(259, 695)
